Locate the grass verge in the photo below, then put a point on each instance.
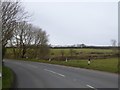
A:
(7, 78)
(108, 65)
(0, 83)
(0, 78)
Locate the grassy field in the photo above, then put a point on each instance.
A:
(80, 53)
(7, 79)
(108, 65)
(0, 83)
(83, 50)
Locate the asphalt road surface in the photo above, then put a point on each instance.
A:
(41, 75)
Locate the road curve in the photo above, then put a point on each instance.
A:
(41, 75)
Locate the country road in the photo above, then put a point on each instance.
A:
(41, 75)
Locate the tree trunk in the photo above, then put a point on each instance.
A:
(3, 52)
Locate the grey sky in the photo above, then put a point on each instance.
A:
(67, 23)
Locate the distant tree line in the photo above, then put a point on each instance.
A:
(92, 47)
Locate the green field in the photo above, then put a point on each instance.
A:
(84, 50)
(87, 51)
(0, 78)
(0, 83)
(7, 79)
(81, 53)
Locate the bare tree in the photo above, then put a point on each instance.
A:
(113, 42)
(19, 33)
(115, 50)
(40, 43)
(25, 38)
(29, 41)
(11, 14)
(22, 38)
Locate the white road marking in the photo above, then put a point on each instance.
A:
(90, 86)
(54, 72)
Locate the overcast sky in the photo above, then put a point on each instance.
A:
(67, 23)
